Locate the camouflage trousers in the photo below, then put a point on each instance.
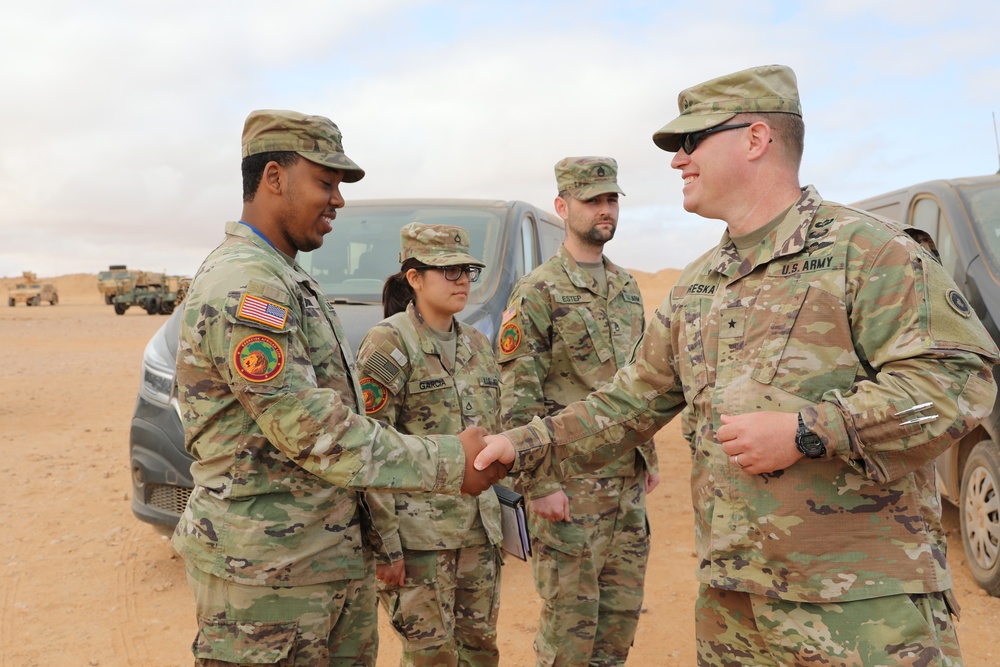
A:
(592, 598)
(734, 629)
(333, 624)
(445, 614)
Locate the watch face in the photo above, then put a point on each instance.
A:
(810, 445)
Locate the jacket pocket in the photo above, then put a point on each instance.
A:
(586, 345)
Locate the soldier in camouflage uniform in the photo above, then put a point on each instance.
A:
(570, 325)
(423, 372)
(823, 359)
(276, 555)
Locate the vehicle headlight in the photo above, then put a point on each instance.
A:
(157, 374)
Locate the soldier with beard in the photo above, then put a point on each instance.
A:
(570, 325)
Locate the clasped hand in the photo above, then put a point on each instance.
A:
(486, 459)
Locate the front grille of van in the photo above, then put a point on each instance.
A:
(168, 498)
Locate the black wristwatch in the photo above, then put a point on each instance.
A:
(808, 442)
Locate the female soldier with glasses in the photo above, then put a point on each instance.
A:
(423, 372)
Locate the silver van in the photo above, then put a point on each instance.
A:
(963, 217)
(511, 237)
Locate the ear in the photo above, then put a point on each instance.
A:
(274, 178)
(415, 279)
(760, 138)
(562, 208)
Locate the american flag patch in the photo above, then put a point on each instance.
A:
(508, 314)
(263, 311)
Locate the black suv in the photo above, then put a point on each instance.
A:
(510, 237)
(963, 218)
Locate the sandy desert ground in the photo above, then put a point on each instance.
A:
(84, 583)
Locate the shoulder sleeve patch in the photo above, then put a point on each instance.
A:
(375, 394)
(257, 309)
(510, 338)
(258, 358)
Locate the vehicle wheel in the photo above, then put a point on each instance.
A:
(153, 306)
(55, 300)
(120, 308)
(108, 300)
(980, 512)
(11, 302)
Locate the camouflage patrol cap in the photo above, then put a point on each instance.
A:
(584, 178)
(766, 89)
(436, 245)
(316, 138)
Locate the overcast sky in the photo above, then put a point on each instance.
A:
(120, 121)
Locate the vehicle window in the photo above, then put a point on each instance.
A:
(363, 248)
(983, 205)
(550, 237)
(527, 251)
(926, 214)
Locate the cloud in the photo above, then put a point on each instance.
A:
(122, 120)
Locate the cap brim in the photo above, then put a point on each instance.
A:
(451, 259)
(352, 172)
(669, 136)
(590, 191)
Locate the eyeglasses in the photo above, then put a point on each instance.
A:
(691, 140)
(453, 273)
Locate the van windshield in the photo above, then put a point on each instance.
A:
(983, 204)
(363, 248)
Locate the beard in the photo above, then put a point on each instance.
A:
(598, 236)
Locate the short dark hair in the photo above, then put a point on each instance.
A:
(253, 169)
(789, 130)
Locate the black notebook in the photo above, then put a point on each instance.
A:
(514, 522)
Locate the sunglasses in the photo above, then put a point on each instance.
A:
(691, 140)
(453, 273)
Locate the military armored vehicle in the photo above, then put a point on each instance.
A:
(156, 293)
(107, 281)
(31, 292)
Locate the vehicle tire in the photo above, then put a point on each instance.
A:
(108, 300)
(120, 308)
(153, 305)
(11, 302)
(55, 300)
(979, 509)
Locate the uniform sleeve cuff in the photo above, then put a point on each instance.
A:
(825, 420)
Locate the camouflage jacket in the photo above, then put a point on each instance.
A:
(270, 405)
(408, 383)
(837, 315)
(560, 340)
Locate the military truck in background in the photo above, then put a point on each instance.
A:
(156, 293)
(31, 292)
(107, 281)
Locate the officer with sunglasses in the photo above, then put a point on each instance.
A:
(424, 372)
(822, 360)
(570, 325)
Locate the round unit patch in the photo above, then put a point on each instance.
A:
(958, 303)
(510, 338)
(258, 358)
(374, 393)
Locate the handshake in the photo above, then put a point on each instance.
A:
(487, 459)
